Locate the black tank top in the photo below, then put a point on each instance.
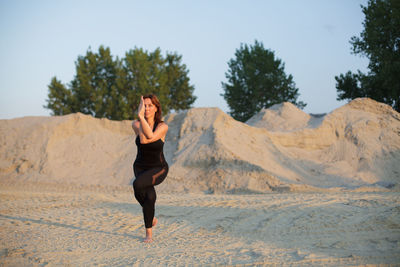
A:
(151, 154)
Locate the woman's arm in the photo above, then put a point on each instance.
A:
(142, 128)
(136, 126)
(147, 131)
(159, 133)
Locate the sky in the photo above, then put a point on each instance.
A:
(42, 39)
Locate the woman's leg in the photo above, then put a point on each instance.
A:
(146, 194)
(148, 212)
(139, 194)
(149, 177)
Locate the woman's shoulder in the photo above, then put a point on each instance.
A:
(162, 124)
(136, 126)
(136, 122)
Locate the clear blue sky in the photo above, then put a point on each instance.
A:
(41, 39)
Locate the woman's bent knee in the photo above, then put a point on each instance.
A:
(137, 185)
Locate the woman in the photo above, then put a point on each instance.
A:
(150, 167)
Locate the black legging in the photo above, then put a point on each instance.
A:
(145, 194)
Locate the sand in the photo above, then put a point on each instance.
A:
(354, 147)
(49, 225)
(285, 188)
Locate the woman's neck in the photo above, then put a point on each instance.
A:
(151, 122)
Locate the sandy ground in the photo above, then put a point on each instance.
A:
(71, 225)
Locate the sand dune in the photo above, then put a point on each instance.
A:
(73, 148)
(283, 117)
(355, 147)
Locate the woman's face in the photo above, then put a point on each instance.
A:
(149, 108)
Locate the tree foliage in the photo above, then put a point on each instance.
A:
(108, 87)
(380, 43)
(256, 80)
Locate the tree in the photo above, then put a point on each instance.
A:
(256, 80)
(110, 87)
(380, 43)
(93, 84)
(180, 91)
(60, 98)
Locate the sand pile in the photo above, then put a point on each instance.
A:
(282, 117)
(281, 148)
(354, 145)
(74, 148)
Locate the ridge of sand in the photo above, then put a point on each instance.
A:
(355, 146)
(73, 148)
(281, 117)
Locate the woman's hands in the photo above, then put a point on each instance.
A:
(141, 108)
(143, 126)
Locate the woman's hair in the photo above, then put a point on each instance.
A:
(156, 102)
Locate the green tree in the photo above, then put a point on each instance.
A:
(256, 80)
(144, 73)
(94, 83)
(380, 43)
(60, 98)
(180, 91)
(110, 87)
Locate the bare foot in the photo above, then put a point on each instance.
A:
(148, 240)
(155, 221)
(149, 235)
